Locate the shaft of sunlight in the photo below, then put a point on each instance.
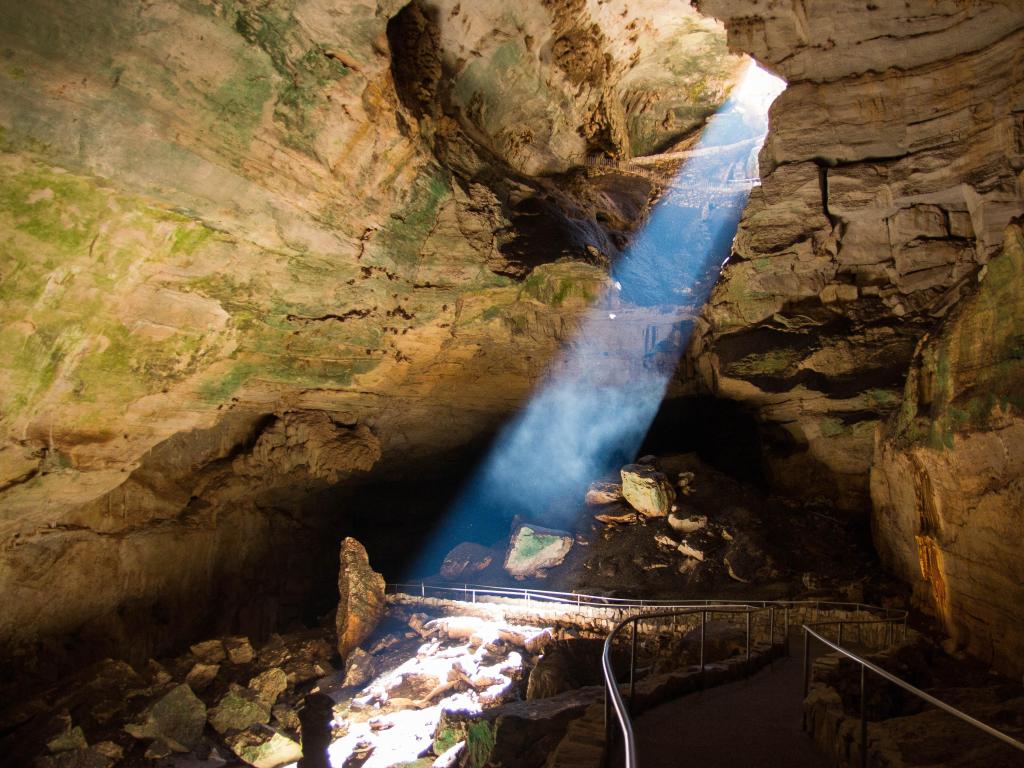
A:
(591, 412)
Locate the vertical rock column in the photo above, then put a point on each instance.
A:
(361, 597)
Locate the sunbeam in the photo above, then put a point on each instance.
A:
(586, 417)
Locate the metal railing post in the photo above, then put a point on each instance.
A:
(748, 635)
(771, 627)
(807, 675)
(703, 630)
(786, 627)
(863, 721)
(840, 640)
(632, 663)
(608, 733)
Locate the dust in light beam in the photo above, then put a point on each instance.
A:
(593, 408)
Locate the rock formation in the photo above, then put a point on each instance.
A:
(532, 550)
(948, 474)
(647, 490)
(256, 252)
(877, 246)
(361, 602)
(890, 171)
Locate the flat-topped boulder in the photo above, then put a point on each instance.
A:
(532, 550)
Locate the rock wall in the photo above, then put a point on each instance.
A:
(948, 475)
(889, 175)
(870, 314)
(256, 251)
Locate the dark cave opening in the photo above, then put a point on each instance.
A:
(721, 432)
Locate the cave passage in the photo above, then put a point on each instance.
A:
(588, 417)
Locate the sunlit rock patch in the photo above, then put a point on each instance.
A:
(462, 664)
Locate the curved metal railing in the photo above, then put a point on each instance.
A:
(891, 618)
(866, 665)
(895, 621)
(613, 701)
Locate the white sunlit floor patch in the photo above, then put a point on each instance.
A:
(466, 664)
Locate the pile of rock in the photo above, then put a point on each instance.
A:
(222, 699)
(644, 491)
(462, 664)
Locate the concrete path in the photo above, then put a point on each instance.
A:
(754, 723)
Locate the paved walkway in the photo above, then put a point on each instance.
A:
(754, 723)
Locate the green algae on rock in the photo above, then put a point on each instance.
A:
(532, 550)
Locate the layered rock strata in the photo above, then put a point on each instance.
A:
(870, 312)
(948, 475)
(891, 169)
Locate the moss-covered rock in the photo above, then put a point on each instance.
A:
(532, 550)
(238, 709)
(177, 719)
(647, 490)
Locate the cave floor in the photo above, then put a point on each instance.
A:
(754, 546)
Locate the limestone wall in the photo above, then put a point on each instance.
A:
(890, 172)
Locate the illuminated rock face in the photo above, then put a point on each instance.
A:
(253, 252)
(890, 172)
(948, 475)
(532, 550)
(361, 602)
(647, 490)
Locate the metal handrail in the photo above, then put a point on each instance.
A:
(613, 697)
(867, 665)
(580, 598)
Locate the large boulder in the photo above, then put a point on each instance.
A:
(519, 734)
(238, 709)
(532, 550)
(177, 719)
(264, 747)
(269, 685)
(647, 490)
(565, 666)
(361, 596)
(465, 559)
